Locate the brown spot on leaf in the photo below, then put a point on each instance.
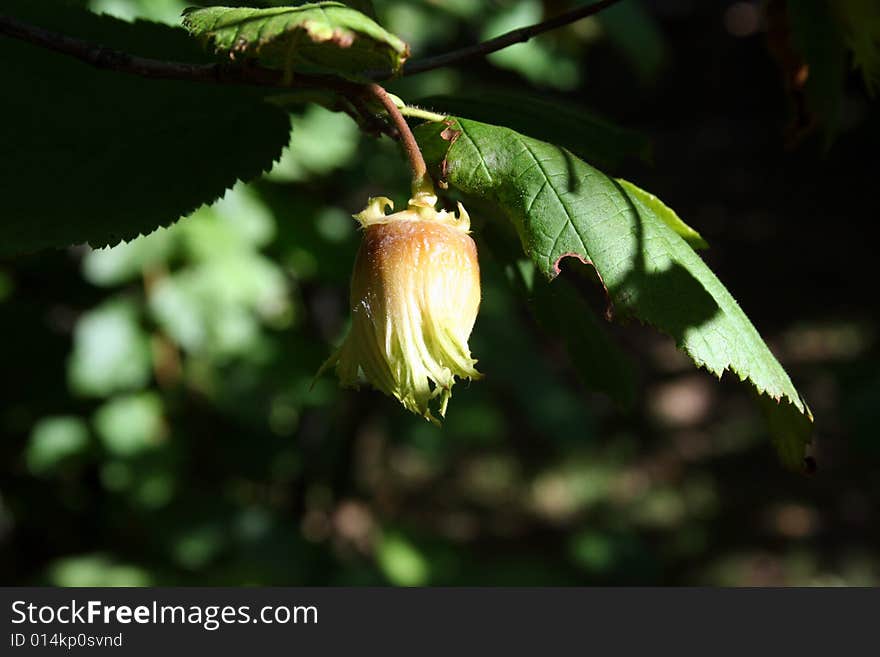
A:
(449, 134)
(341, 37)
(572, 254)
(609, 307)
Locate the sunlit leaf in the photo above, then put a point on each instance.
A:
(562, 207)
(666, 214)
(161, 11)
(322, 37)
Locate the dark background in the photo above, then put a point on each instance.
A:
(159, 428)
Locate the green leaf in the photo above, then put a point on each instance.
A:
(634, 31)
(583, 133)
(363, 6)
(561, 207)
(320, 38)
(665, 214)
(563, 314)
(598, 361)
(98, 156)
(819, 39)
(861, 25)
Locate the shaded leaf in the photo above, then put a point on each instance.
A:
(598, 361)
(319, 38)
(665, 214)
(93, 148)
(818, 38)
(561, 206)
(787, 431)
(563, 314)
(861, 24)
(529, 379)
(583, 133)
(635, 33)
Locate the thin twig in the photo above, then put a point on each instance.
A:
(407, 140)
(508, 39)
(117, 60)
(232, 74)
(253, 75)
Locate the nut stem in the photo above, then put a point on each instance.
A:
(421, 183)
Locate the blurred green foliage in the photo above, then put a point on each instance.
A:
(160, 425)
